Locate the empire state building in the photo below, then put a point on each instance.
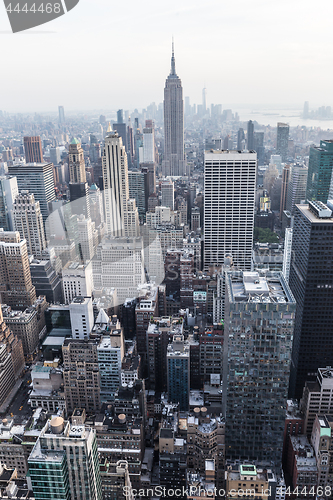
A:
(174, 160)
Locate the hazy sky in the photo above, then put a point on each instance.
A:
(107, 54)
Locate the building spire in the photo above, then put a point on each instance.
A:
(173, 63)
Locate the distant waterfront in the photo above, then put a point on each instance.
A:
(272, 116)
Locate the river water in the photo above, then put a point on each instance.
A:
(271, 117)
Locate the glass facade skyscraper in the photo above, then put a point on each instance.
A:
(64, 463)
(311, 281)
(320, 171)
(258, 337)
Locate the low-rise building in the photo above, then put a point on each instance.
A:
(248, 480)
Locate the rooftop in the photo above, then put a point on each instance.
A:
(253, 287)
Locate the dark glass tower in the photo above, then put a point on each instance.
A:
(311, 281)
(320, 171)
(250, 135)
(258, 332)
(282, 138)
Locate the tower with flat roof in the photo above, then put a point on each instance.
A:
(258, 333)
(311, 281)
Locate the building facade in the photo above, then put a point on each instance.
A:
(258, 332)
(230, 183)
(310, 279)
(174, 157)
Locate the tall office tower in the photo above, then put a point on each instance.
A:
(81, 375)
(149, 170)
(137, 191)
(120, 116)
(306, 109)
(38, 179)
(64, 462)
(8, 193)
(33, 149)
(119, 263)
(311, 276)
(240, 139)
(187, 106)
(288, 238)
(320, 171)
(116, 191)
(24, 324)
(250, 135)
(115, 181)
(110, 353)
(144, 311)
(230, 184)
(174, 158)
(282, 138)
(87, 238)
(168, 194)
(178, 364)
(78, 187)
(96, 205)
(7, 377)
(76, 281)
(259, 146)
(121, 128)
(149, 142)
(82, 317)
(296, 187)
(77, 167)
(284, 189)
(28, 221)
(204, 100)
(16, 288)
(317, 398)
(61, 111)
(55, 155)
(256, 363)
(14, 348)
(46, 281)
(130, 141)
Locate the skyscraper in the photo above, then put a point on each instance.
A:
(28, 221)
(174, 159)
(250, 135)
(149, 142)
(33, 149)
(64, 462)
(38, 179)
(240, 139)
(284, 189)
(8, 193)
(296, 187)
(61, 114)
(168, 194)
(78, 186)
(55, 155)
(115, 181)
(311, 278)
(178, 364)
(230, 182)
(204, 100)
(81, 375)
(256, 363)
(16, 288)
(282, 138)
(121, 214)
(320, 171)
